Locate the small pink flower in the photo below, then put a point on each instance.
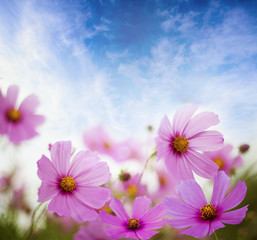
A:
(93, 231)
(140, 225)
(19, 123)
(200, 217)
(133, 188)
(224, 159)
(73, 187)
(181, 144)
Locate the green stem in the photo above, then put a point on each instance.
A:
(215, 235)
(152, 155)
(32, 225)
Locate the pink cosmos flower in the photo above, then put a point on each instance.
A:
(93, 231)
(73, 187)
(180, 144)
(140, 225)
(97, 139)
(225, 160)
(133, 188)
(194, 211)
(19, 123)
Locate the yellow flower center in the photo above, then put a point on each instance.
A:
(68, 184)
(180, 144)
(162, 181)
(219, 161)
(13, 115)
(132, 189)
(133, 223)
(107, 145)
(208, 212)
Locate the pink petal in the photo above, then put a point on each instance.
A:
(60, 155)
(181, 119)
(171, 164)
(184, 171)
(95, 176)
(221, 184)
(201, 164)
(118, 209)
(183, 223)
(109, 219)
(46, 170)
(154, 225)
(29, 104)
(131, 234)
(191, 192)
(79, 211)
(83, 234)
(163, 148)
(145, 234)
(94, 197)
(33, 120)
(116, 232)
(47, 191)
(234, 217)
(200, 122)
(59, 204)
(165, 129)
(141, 206)
(155, 214)
(206, 141)
(178, 209)
(12, 93)
(214, 225)
(83, 160)
(235, 197)
(199, 230)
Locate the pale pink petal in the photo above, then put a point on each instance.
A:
(164, 148)
(94, 197)
(155, 214)
(235, 197)
(183, 223)
(191, 192)
(83, 234)
(234, 217)
(183, 168)
(79, 211)
(109, 219)
(47, 191)
(131, 234)
(181, 119)
(178, 209)
(60, 155)
(201, 164)
(33, 120)
(95, 176)
(221, 184)
(83, 160)
(141, 206)
(59, 204)
(145, 234)
(200, 122)
(214, 225)
(20, 132)
(116, 232)
(199, 230)
(29, 104)
(46, 170)
(238, 161)
(206, 141)
(118, 209)
(12, 93)
(165, 130)
(171, 164)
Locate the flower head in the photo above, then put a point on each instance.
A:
(139, 225)
(18, 123)
(181, 143)
(73, 187)
(224, 159)
(200, 217)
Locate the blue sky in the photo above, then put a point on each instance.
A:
(127, 63)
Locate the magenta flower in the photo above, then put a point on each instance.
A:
(93, 231)
(180, 145)
(140, 225)
(203, 218)
(73, 187)
(225, 160)
(18, 123)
